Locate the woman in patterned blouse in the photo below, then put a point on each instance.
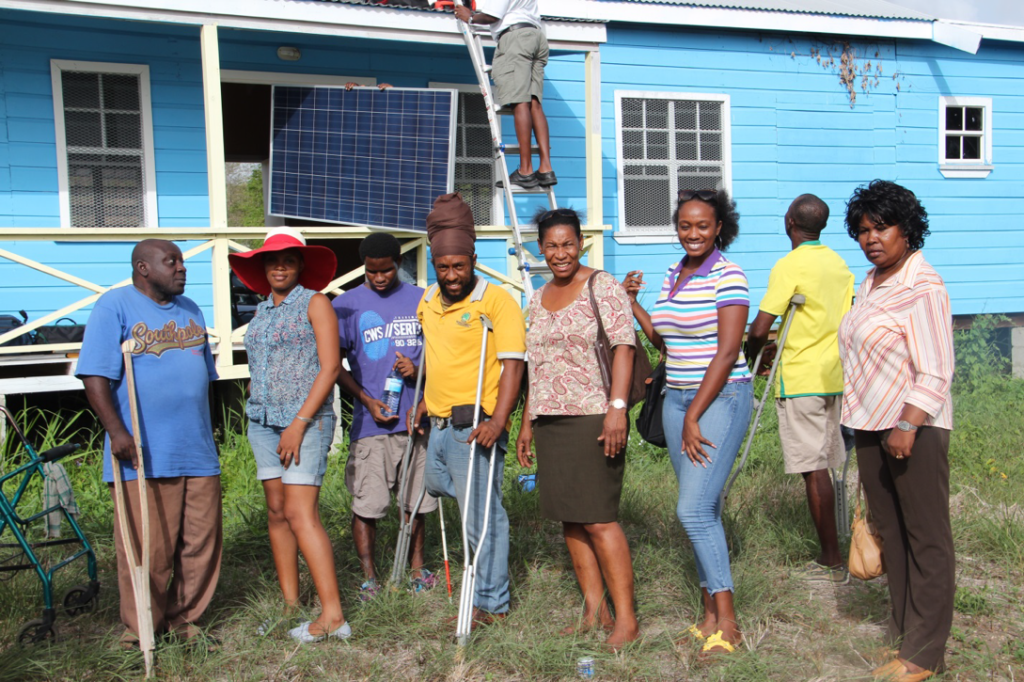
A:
(698, 321)
(896, 345)
(294, 359)
(581, 428)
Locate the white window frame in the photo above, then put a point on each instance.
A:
(626, 236)
(497, 198)
(966, 168)
(57, 68)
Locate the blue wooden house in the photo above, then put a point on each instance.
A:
(117, 118)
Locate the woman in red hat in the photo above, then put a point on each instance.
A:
(294, 361)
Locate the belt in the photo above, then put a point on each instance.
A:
(440, 423)
(515, 27)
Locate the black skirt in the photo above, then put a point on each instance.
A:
(577, 483)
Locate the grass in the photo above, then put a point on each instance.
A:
(794, 630)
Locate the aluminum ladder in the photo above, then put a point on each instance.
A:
(528, 265)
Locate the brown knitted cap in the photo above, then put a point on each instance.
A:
(450, 227)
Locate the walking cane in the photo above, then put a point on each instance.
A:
(842, 501)
(139, 572)
(444, 547)
(464, 626)
(795, 302)
(405, 527)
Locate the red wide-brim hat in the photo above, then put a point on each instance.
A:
(320, 261)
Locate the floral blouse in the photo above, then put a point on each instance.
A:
(565, 378)
(282, 359)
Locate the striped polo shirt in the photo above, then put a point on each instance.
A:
(688, 320)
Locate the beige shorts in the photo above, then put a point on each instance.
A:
(518, 68)
(809, 431)
(373, 473)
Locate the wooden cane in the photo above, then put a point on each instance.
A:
(138, 571)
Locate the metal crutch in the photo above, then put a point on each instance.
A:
(405, 528)
(842, 501)
(464, 625)
(139, 571)
(795, 302)
(444, 547)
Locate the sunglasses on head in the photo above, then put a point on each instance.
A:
(558, 212)
(702, 194)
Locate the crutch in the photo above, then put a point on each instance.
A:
(405, 528)
(464, 626)
(139, 572)
(444, 547)
(842, 501)
(795, 302)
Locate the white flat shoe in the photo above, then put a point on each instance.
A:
(301, 633)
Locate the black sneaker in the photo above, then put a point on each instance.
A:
(546, 179)
(524, 181)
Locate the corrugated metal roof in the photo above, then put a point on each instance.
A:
(423, 6)
(878, 9)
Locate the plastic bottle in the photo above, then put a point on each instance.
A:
(392, 393)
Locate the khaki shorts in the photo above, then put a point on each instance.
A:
(518, 68)
(373, 473)
(809, 431)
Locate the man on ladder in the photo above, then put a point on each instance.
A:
(518, 74)
(470, 384)
(809, 388)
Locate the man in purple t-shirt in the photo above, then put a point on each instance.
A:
(379, 331)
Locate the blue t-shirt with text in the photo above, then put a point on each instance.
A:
(372, 328)
(173, 368)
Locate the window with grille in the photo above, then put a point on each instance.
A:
(105, 144)
(965, 132)
(667, 142)
(474, 161)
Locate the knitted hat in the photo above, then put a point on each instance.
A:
(450, 227)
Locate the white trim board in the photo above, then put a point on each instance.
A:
(276, 78)
(57, 66)
(303, 16)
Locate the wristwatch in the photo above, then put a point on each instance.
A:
(618, 404)
(905, 426)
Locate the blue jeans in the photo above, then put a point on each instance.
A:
(313, 453)
(445, 475)
(724, 423)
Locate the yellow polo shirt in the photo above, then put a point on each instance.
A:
(810, 359)
(452, 349)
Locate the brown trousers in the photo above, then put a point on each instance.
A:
(185, 549)
(909, 503)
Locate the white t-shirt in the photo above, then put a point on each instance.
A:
(510, 12)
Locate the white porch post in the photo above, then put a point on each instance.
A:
(595, 191)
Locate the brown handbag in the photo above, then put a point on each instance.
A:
(641, 363)
(867, 558)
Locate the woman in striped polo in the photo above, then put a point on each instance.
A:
(896, 345)
(698, 321)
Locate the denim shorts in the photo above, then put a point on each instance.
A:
(312, 465)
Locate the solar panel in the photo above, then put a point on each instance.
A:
(362, 156)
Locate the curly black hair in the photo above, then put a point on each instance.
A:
(380, 245)
(725, 211)
(545, 219)
(887, 203)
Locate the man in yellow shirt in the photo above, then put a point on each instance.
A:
(809, 381)
(450, 314)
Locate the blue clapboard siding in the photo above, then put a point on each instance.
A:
(793, 131)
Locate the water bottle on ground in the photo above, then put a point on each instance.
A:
(392, 393)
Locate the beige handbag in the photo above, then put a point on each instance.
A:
(867, 560)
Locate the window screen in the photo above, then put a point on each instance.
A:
(474, 157)
(667, 145)
(103, 132)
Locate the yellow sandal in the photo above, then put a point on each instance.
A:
(717, 640)
(695, 632)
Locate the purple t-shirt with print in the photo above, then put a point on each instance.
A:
(372, 328)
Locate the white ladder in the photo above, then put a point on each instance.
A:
(527, 264)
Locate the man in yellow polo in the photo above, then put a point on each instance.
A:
(450, 314)
(809, 384)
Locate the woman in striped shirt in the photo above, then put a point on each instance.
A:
(698, 321)
(896, 345)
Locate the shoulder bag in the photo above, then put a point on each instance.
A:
(641, 363)
(648, 422)
(867, 559)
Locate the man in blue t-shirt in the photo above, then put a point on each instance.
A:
(379, 332)
(173, 369)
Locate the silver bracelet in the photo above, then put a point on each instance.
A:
(306, 420)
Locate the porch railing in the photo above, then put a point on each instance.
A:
(220, 242)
